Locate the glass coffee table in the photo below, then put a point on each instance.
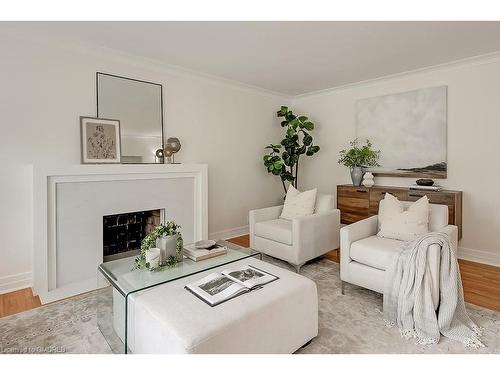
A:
(119, 281)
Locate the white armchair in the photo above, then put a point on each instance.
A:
(364, 257)
(299, 240)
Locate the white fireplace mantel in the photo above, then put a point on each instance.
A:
(69, 202)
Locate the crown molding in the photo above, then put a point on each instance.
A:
(129, 58)
(160, 66)
(488, 58)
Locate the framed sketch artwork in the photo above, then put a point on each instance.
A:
(410, 130)
(100, 140)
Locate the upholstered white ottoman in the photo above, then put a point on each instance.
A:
(279, 318)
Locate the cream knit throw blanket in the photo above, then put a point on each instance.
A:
(408, 300)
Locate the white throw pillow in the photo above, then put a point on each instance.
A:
(398, 224)
(298, 204)
(324, 203)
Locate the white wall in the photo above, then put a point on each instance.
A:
(473, 143)
(46, 86)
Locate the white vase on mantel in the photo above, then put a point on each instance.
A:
(368, 179)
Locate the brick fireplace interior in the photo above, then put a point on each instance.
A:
(123, 233)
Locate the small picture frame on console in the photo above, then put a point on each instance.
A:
(100, 140)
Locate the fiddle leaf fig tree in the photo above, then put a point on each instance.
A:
(283, 159)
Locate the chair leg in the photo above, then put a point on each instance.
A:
(342, 290)
(298, 267)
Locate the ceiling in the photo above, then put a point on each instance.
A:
(291, 58)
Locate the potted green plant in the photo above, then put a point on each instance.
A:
(357, 158)
(283, 158)
(167, 237)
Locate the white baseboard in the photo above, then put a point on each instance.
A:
(479, 256)
(15, 282)
(229, 233)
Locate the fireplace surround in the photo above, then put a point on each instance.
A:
(70, 203)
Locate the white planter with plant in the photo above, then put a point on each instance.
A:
(168, 239)
(358, 158)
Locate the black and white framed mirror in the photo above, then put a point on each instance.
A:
(138, 105)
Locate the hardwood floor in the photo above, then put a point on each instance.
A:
(18, 301)
(481, 285)
(333, 255)
(243, 241)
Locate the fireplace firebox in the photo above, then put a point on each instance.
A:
(123, 233)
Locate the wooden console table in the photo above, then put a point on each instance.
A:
(359, 202)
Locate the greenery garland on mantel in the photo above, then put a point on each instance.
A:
(168, 229)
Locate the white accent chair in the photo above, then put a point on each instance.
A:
(299, 240)
(364, 257)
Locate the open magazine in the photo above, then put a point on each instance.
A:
(219, 287)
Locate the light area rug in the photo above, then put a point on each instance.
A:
(350, 323)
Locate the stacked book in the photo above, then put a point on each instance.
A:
(195, 254)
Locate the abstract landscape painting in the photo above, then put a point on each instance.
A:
(409, 128)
